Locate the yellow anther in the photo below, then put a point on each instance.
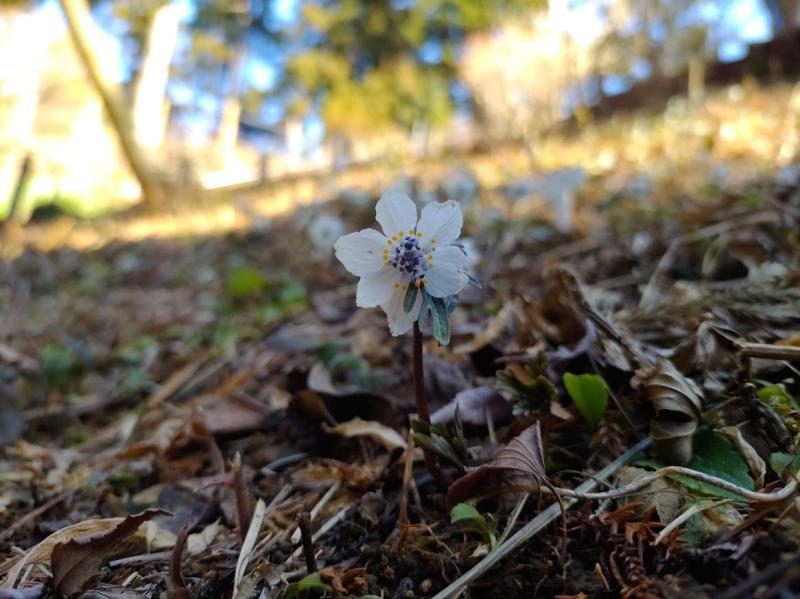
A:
(417, 283)
(430, 256)
(433, 241)
(394, 237)
(419, 233)
(388, 242)
(400, 233)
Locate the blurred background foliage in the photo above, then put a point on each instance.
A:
(205, 94)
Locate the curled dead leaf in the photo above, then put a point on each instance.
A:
(678, 403)
(672, 441)
(523, 456)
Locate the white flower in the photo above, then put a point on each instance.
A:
(422, 254)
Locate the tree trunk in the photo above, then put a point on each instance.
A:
(784, 15)
(80, 24)
(697, 80)
(228, 130)
(149, 106)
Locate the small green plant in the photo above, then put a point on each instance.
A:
(440, 440)
(776, 397)
(780, 462)
(56, 362)
(464, 512)
(245, 281)
(312, 582)
(590, 395)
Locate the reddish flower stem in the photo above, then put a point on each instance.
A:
(424, 415)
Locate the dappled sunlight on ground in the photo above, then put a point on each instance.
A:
(734, 139)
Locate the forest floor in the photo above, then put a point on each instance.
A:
(223, 384)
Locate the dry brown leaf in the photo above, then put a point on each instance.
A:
(345, 582)
(678, 403)
(381, 434)
(523, 456)
(77, 561)
(666, 496)
(199, 541)
(42, 551)
(234, 416)
(156, 538)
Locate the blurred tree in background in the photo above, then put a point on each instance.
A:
(82, 31)
(223, 33)
(372, 65)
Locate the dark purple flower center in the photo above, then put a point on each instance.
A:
(409, 259)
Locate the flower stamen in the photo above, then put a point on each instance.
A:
(408, 258)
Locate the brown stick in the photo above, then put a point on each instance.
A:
(407, 472)
(244, 501)
(176, 586)
(423, 413)
(303, 523)
(769, 352)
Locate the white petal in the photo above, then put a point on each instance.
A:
(399, 321)
(396, 212)
(361, 252)
(449, 274)
(375, 288)
(441, 222)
